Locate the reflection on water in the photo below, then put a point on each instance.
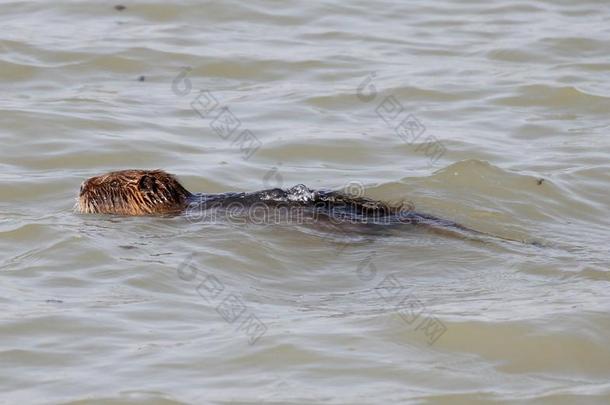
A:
(488, 114)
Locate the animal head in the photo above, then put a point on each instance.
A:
(132, 192)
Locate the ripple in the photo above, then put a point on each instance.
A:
(559, 98)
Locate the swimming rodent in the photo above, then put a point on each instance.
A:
(133, 192)
(156, 192)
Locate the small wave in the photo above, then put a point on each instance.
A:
(567, 98)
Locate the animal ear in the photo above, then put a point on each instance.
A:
(147, 183)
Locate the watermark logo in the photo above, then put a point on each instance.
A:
(405, 125)
(228, 304)
(220, 118)
(354, 189)
(366, 91)
(402, 300)
(273, 178)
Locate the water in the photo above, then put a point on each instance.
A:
(507, 132)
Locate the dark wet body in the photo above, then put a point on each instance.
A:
(322, 204)
(155, 192)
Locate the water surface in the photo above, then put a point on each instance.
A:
(488, 113)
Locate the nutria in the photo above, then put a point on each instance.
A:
(155, 192)
(133, 192)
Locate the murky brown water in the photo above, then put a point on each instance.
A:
(489, 113)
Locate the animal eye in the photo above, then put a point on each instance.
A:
(114, 183)
(147, 183)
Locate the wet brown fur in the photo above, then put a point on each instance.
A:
(155, 192)
(133, 192)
